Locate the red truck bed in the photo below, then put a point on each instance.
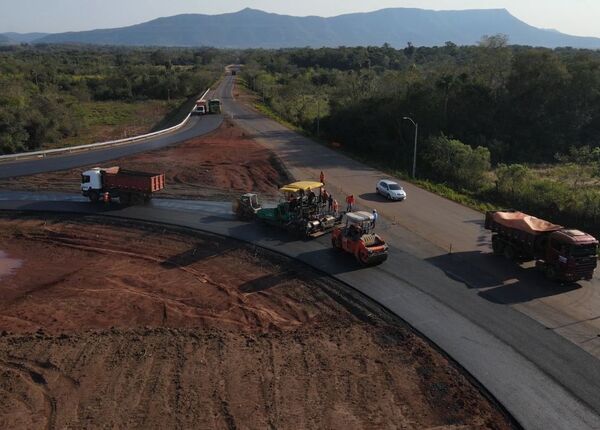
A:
(131, 180)
(519, 227)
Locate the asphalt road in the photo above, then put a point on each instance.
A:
(196, 126)
(431, 227)
(545, 381)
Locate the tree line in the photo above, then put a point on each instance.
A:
(42, 87)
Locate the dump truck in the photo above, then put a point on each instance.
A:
(300, 210)
(357, 237)
(201, 107)
(562, 254)
(129, 186)
(214, 106)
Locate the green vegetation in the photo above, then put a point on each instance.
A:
(499, 125)
(109, 120)
(52, 95)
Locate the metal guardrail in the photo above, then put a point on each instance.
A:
(91, 146)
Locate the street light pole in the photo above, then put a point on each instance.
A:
(414, 167)
(318, 118)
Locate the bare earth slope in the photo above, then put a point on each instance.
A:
(222, 164)
(131, 325)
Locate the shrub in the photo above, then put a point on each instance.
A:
(457, 163)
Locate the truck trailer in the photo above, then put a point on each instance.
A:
(214, 106)
(204, 107)
(129, 186)
(563, 254)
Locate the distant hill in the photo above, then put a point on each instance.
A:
(4, 40)
(24, 37)
(251, 28)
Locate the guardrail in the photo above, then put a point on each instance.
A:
(91, 146)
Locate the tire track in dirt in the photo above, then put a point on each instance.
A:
(278, 346)
(37, 381)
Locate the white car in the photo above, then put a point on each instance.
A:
(390, 190)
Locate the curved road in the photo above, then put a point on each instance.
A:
(424, 297)
(545, 381)
(196, 126)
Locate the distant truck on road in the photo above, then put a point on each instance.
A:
(204, 107)
(563, 254)
(201, 107)
(129, 186)
(214, 106)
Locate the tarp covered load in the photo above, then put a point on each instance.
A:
(524, 222)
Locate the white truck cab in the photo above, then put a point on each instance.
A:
(91, 180)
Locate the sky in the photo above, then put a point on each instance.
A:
(577, 17)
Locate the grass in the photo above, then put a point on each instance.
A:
(267, 111)
(110, 120)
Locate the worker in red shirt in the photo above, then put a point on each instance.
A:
(322, 177)
(349, 203)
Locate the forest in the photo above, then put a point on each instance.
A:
(498, 125)
(51, 93)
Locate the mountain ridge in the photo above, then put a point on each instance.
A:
(252, 28)
(23, 37)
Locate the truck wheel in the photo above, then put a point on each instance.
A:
(497, 246)
(363, 257)
(509, 252)
(94, 196)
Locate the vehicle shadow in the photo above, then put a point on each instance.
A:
(497, 279)
(331, 261)
(259, 233)
(374, 197)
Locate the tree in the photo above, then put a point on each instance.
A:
(453, 161)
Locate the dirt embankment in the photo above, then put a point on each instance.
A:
(223, 164)
(122, 325)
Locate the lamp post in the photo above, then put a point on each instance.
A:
(414, 169)
(318, 118)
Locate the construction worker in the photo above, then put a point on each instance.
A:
(329, 202)
(311, 196)
(336, 207)
(349, 203)
(375, 216)
(322, 178)
(301, 195)
(324, 196)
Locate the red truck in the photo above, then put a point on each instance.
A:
(563, 254)
(128, 185)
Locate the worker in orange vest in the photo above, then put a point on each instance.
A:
(336, 206)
